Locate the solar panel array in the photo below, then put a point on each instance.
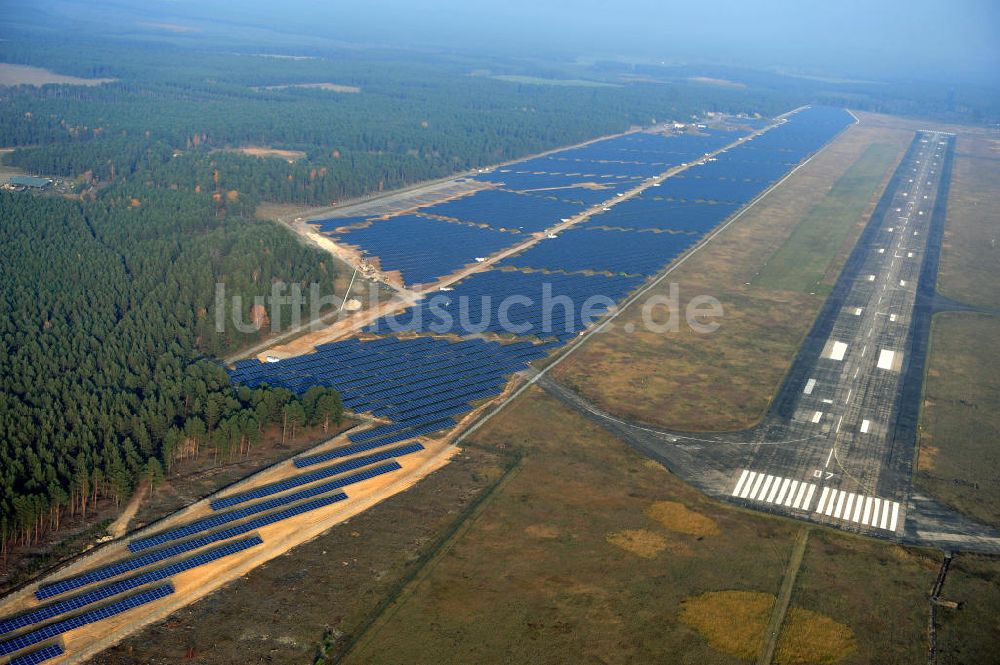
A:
(111, 609)
(424, 249)
(39, 655)
(652, 211)
(536, 194)
(526, 304)
(411, 380)
(420, 384)
(220, 519)
(622, 252)
(503, 209)
(617, 163)
(135, 563)
(691, 202)
(115, 588)
(322, 474)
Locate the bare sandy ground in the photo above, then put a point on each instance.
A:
(119, 527)
(263, 151)
(329, 87)
(36, 76)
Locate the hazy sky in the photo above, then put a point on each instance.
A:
(938, 40)
(914, 38)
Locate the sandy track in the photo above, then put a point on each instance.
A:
(119, 527)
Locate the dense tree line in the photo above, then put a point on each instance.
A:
(105, 316)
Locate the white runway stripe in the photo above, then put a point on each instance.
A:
(781, 493)
(739, 484)
(809, 496)
(867, 510)
(773, 489)
(822, 499)
(792, 489)
(763, 490)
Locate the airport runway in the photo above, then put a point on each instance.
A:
(838, 444)
(841, 400)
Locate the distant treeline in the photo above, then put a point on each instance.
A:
(171, 111)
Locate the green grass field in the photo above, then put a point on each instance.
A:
(802, 262)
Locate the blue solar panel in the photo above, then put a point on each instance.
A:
(502, 209)
(319, 474)
(629, 252)
(39, 655)
(240, 513)
(141, 561)
(93, 616)
(108, 590)
(424, 249)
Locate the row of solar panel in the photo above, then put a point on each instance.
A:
(123, 566)
(414, 354)
(629, 252)
(426, 366)
(320, 474)
(219, 519)
(423, 249)
(437, 416)
(39, 655)
(107, 591)
(504, 209)
(484, 298)
(54, 629)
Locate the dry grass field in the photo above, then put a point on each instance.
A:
(878, 590)
(960, 417)
(589, 553)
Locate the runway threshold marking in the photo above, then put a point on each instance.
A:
(860, 509)
(759, 486)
